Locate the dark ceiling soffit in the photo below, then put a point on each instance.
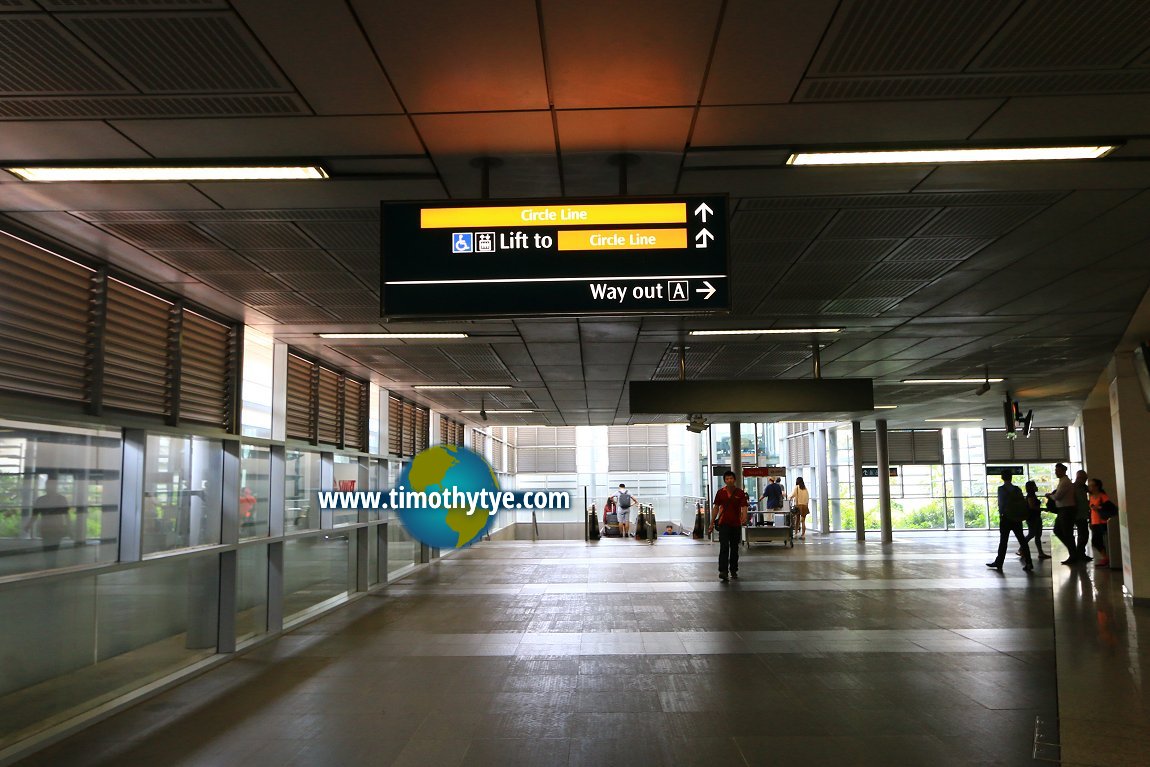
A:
(807, 395)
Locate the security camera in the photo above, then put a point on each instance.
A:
(697, 424)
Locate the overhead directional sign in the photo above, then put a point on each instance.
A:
(653, 255)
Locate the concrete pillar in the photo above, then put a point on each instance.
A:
(1098, 445)
(956, 480)
(1130, 425)
(883, 481)
(737, 452)
(824, 491)
(860, 498)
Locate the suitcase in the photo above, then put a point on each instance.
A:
(611, 525)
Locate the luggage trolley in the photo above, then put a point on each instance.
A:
(766, 526)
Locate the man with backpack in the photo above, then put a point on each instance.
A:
(1012, 512)
(623, 501)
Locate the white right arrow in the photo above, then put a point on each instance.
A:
(710, 291)
(703, 211)
(702, 237)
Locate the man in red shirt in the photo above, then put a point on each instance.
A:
(730, 515)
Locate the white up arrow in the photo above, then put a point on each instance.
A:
(702, 237)
(703, 211)
(710, 291)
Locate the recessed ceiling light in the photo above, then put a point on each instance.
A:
(113, 173)
(957, 154)
(950, 420)
(770, 331)
(389, 336)
(497, 412)
(457, 387)
(885, 407)
(950, 380)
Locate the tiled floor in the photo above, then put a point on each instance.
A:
(619, 653)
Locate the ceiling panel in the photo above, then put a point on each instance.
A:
(883, 222)
(626, 130)
(297, 37)
(763, 48)
(304, 137)
(1069, 34)
(38, 56)
(940, 36)
(75, 139)
(806, 125)
(210, 52)
(643, 53)
(779, 225)
(459, 56)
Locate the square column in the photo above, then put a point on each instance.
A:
(1130, 425)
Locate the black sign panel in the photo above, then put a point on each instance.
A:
(652, 255)
(795, 395)
(872, 471)
(997, 471)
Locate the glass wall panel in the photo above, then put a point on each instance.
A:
(372, 534)
(85, 640)
(315, 569)
(402, 550)
(181, 492)
(255, 490)
(256, 413)
(252, 592)
(346, 475)
(301, 483)
(59, 496)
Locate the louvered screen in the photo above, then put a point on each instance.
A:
(1054, 444)
(479, 443)
(498, 456)
(45, 349)
(137, 341)
(637, 448)
(928, 446)
(327, 414)
(299, 411)
(394, 426)
(422, 428)
(906, 447)
(867, 450)
(407, 433)
(798, 450)
(355, 412)
(207, 363)
(565, 457)
(1046, 445)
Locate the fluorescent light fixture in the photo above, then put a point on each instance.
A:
(399, 336)
(951, 420)
(457, 387)
(497, 412)
(121, 173)
(950, 380)
(885, 407)
(958, 154)
(768, 331)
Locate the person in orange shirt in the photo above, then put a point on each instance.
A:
(247, 504)
(1098, 497)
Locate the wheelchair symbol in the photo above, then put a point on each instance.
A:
(461, 242)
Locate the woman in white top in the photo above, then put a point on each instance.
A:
(802, 499)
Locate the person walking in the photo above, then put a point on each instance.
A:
(801, 498)
(1081, 516)
(1012, 511)
(1064, 512)
(1034, 519)
(1098, 497)
(773, 495)
(731, 505)
(623, 501)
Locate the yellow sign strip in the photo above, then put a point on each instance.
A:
(621, 239)
(554, 215)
